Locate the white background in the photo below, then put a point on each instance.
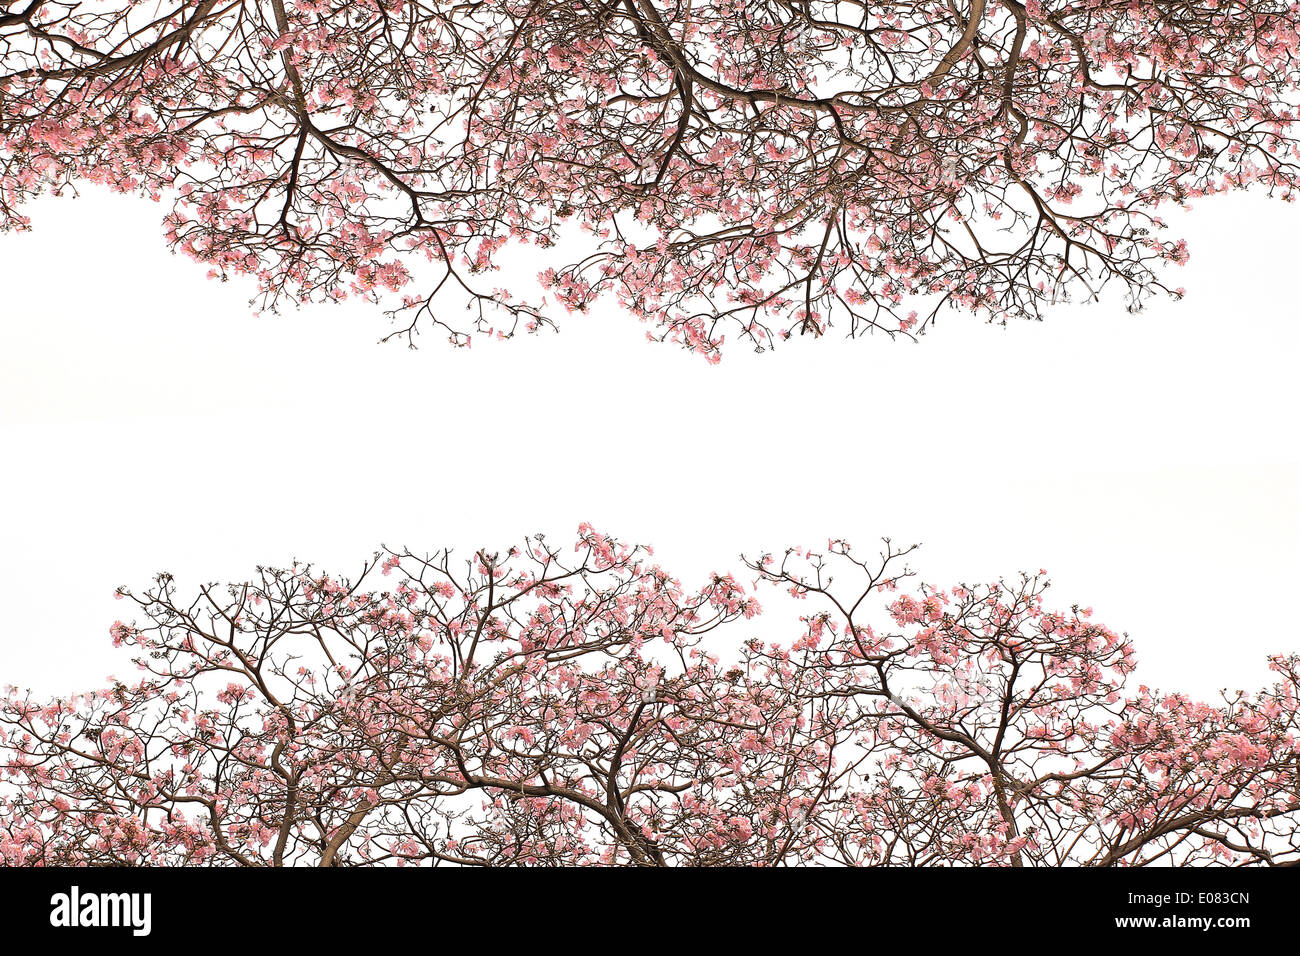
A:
(149, 421)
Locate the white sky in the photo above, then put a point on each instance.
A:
(149, 421)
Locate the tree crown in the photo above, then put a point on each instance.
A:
(744, 169)
(538, 707)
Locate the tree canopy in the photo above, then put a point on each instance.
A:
(557, 706)
(748, 169)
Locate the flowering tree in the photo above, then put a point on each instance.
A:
(762, 167)
(533, 708)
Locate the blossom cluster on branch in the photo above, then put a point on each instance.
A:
(564, 706)
(752, 168)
